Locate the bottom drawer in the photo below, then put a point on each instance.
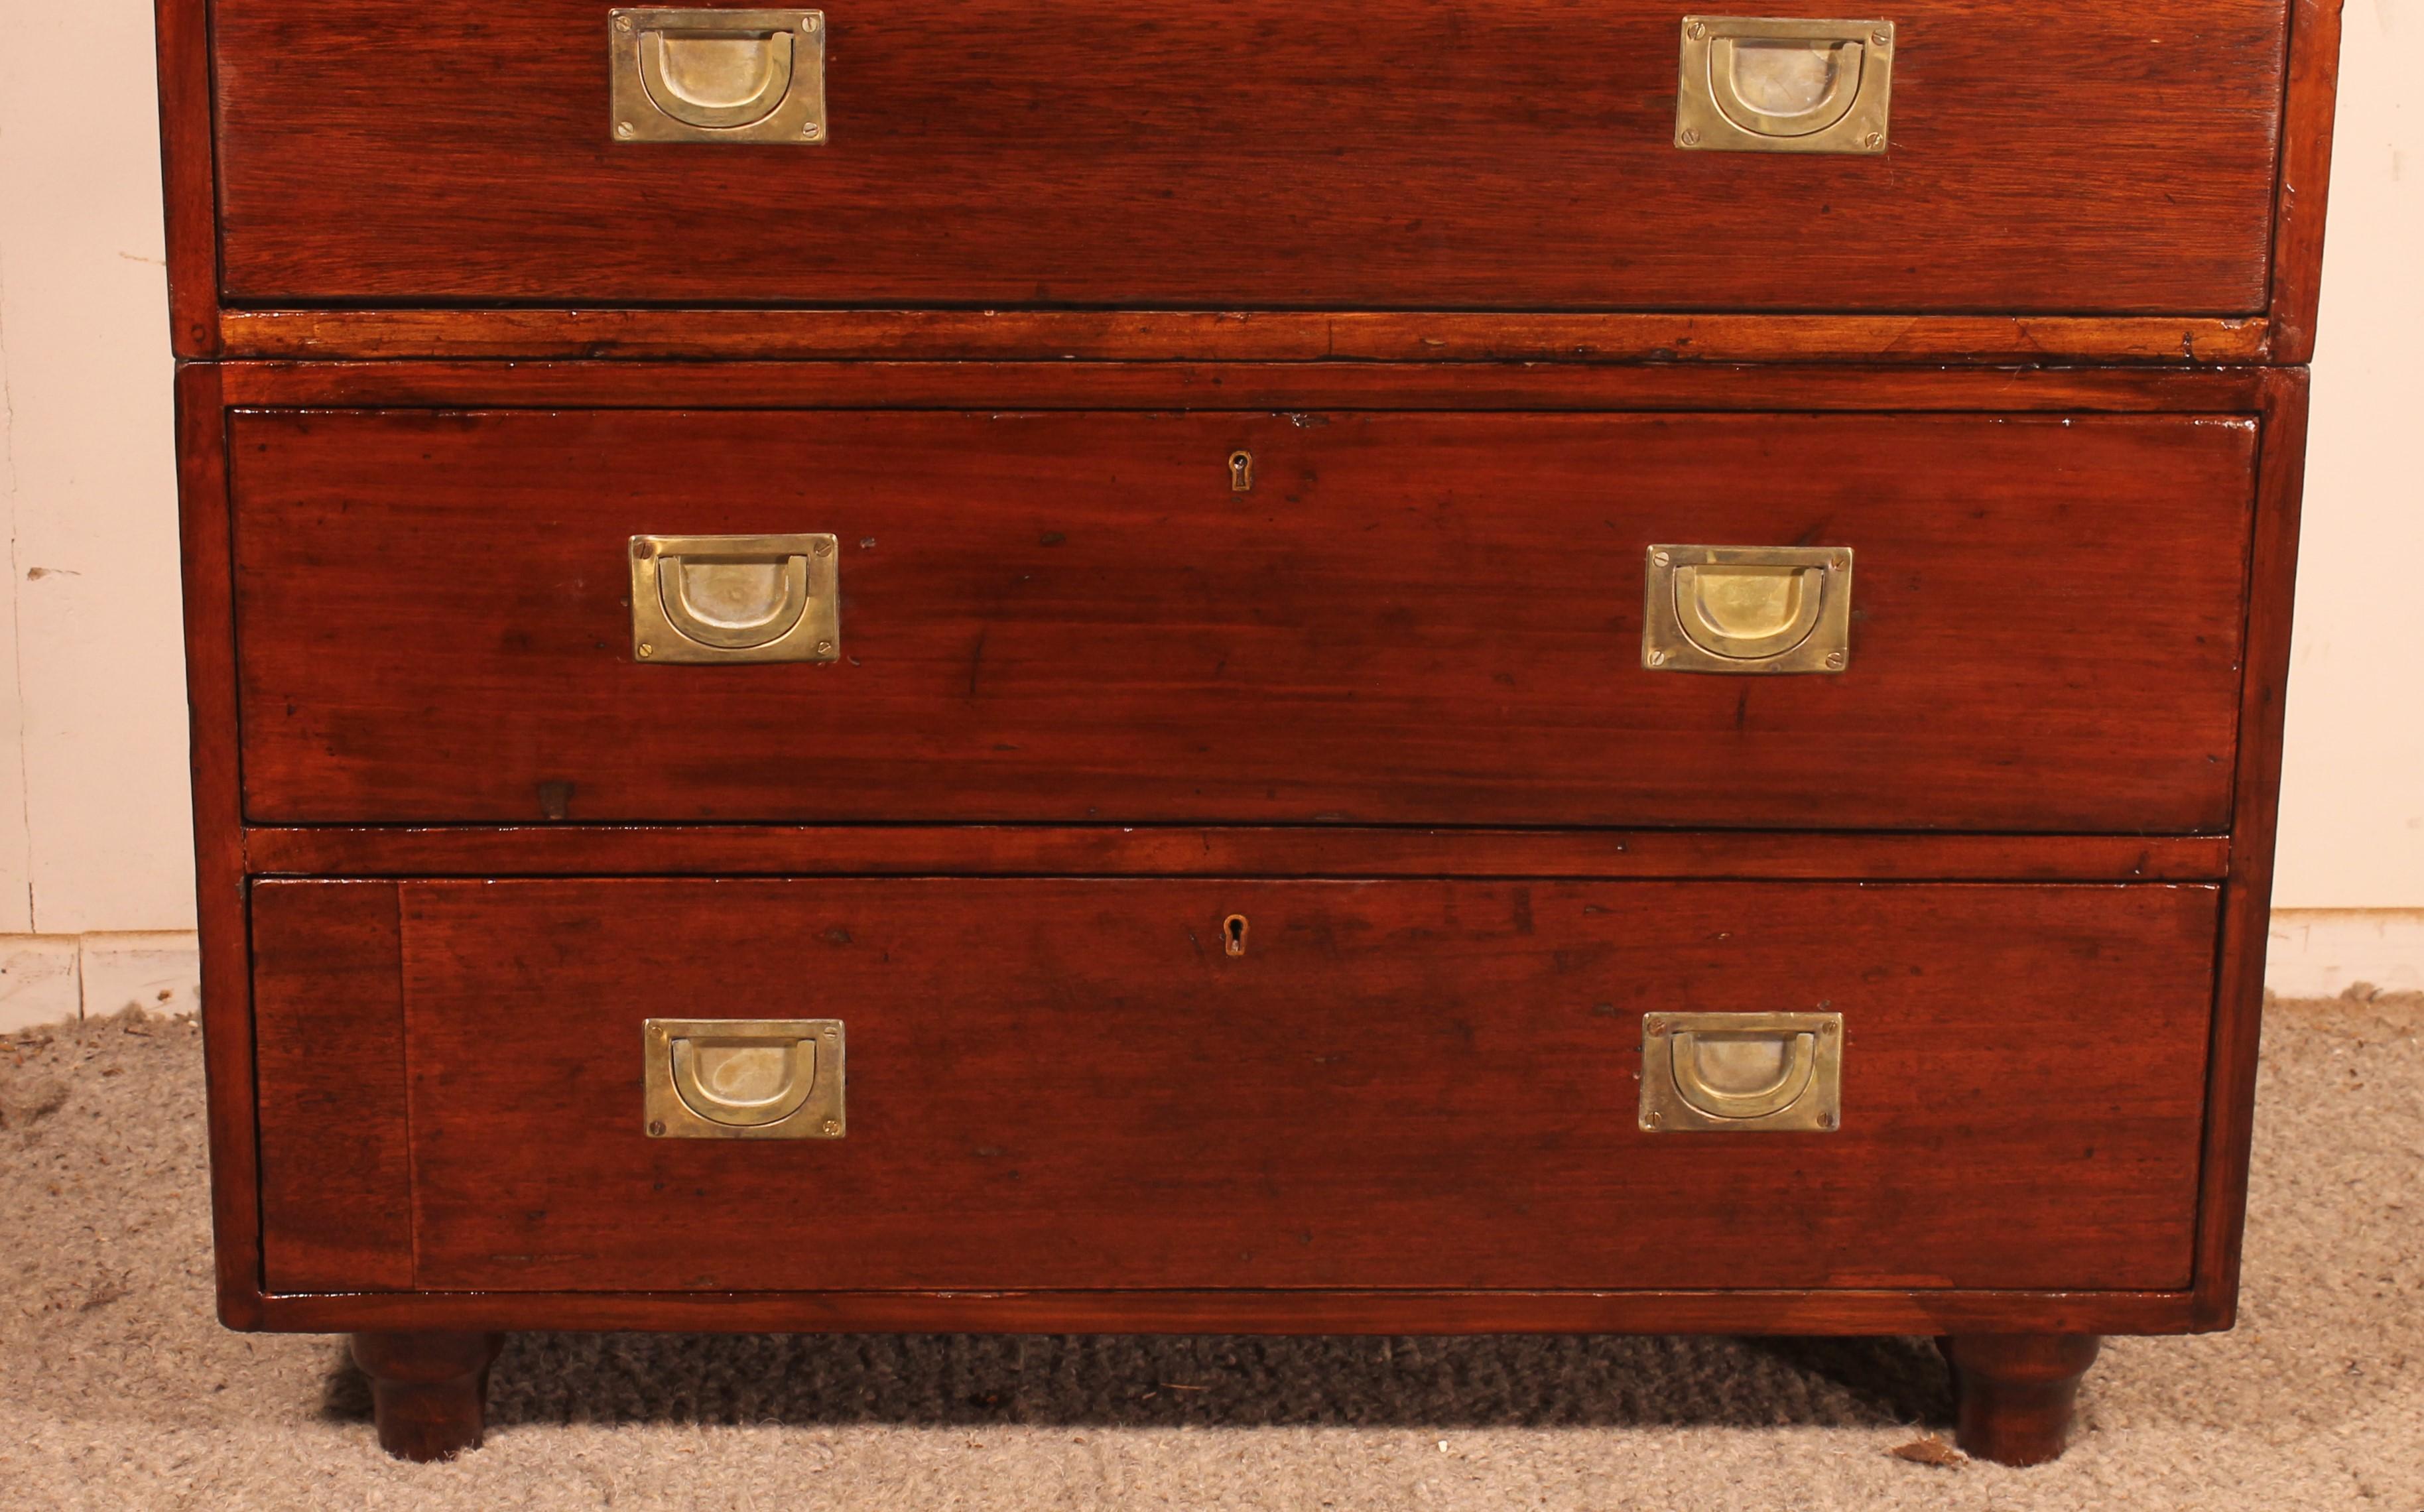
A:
(1207, 1084)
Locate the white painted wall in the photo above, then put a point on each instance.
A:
(94, 825)
(93, 818)
(2352, 793)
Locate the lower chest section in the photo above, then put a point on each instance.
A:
(943, 1083)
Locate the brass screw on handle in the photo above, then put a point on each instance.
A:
(833, 1125)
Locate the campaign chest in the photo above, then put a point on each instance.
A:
(1410, 667)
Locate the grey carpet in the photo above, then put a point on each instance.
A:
(117, 1390)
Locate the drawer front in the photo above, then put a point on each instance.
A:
(1416, 154)
(1407, 1084)
(1431, 619)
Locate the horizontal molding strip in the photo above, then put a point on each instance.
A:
(1263, 385)
(1274, 336)
(912, 849)
(1247, 1311)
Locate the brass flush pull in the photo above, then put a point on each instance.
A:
(742, 1078)
(1765, 85)
(1747, 609)
(1747, 1071)
(718, 75)
(735, 599)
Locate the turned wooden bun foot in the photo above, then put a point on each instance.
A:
(428, 1391)
(2013, 1391)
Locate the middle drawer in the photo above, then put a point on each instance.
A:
(1255, 618)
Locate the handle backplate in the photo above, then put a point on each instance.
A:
(1763, 84)
(1747, 609)
(742, 1078)
(1741, 1072)
(728, 598)
(695, 75)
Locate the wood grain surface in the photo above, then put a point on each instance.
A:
(2256, 814)
(1388, 155)
(1172, 850)
(1239, 1311)
(328, 1035)
(206, 560)
(1238, 336)
(2313, 92)
(1398, 1084)
(188, 189)
(630, 384)
(1410, 619)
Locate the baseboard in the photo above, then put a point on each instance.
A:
(2322, 952)
(48, 979)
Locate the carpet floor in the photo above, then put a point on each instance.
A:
(119, 1391)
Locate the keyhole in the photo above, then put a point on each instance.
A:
(1241, 475)
(1233, 934)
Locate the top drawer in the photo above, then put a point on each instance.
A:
(1419, 155)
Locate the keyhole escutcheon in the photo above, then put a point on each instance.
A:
(1233, 934)
(1241, 472)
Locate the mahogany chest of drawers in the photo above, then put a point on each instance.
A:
(1400, 667)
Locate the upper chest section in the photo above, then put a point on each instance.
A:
(1420, 155)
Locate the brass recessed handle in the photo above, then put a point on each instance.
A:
(695, 75)
(1760, 84)
(1734, 1075)
(744, 1083)
(1747, 609)
(714, 80)
(758, 625)
(735, 599)
(1784, 107)
(1748, 613)
(1718, 1072)
(742, 1078)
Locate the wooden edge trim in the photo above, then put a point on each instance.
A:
(2247, 896)
(1282, 336)
(1244, 386)
(1309, 852)
(203, 522)
(2310, 99)
(188, 189)
(1249, 1312)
